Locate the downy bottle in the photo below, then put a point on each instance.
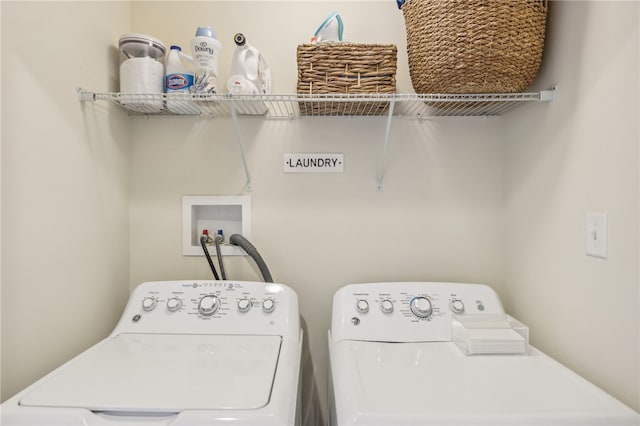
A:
(205, 50)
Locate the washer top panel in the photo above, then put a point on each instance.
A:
(165, 373)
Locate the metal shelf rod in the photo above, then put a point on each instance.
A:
(293, 105)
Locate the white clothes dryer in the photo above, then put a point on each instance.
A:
(183, 353)
(399, 358)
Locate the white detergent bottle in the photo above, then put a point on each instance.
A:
(205, 50)
(250, 73)
(178, 82)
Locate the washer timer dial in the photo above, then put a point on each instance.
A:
(208, 305)
(421, 307)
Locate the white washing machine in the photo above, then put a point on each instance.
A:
(183, 353)
(401, 355)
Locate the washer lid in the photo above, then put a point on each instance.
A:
(165, 373)
(434, 383)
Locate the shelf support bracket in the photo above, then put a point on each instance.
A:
(385, 146)
(236, 125)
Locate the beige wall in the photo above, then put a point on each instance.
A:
(576, 155)
(500, 201)
(65, 258)
(439, 216)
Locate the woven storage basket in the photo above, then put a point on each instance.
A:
(474, 46)
(346, 69)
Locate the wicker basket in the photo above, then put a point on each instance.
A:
(346, 69)
(474, 46)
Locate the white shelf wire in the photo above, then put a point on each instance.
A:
(419, 106)
(291, 106)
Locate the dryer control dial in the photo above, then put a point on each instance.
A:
(421, 307)
(456, 306)
(208, 305)
(386, 306)
(148, 303)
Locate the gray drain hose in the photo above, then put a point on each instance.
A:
(239, 240)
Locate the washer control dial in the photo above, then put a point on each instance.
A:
(148, 303)
(174, 304)
(208, 305)
(362, 306)
(386, 306)
(421, 307)
(244, 305)
(268, 305)
(456, 306)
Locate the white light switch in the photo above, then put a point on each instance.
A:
(597, 235)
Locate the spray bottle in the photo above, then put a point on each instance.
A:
(205, 50)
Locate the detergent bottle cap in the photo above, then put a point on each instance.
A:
(207, 31)
(176, 47)
(239, 39)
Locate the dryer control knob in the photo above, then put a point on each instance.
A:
(148, 303)
(244, 305)
(456, 306)
(268, 305)
(208, 305)
(421, 307)
(362, 306)
(386, 306)
(174, 304)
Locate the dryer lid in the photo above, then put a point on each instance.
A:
(165, 373)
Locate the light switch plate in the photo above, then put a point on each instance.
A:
(596, 237)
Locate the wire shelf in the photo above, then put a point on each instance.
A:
(291, 106)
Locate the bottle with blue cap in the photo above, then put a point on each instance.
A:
(205, 50)
(178, 82)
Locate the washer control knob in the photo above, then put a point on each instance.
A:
(174, 304)
(421, 307)
(268, 305)
(362, 306)
(386, 306)
(456, 306)
(244, 305)
(148, 303)
(208, 305)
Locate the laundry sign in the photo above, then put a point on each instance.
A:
(313, 163)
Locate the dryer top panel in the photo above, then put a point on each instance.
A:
(433, 383)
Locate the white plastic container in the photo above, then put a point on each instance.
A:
(250, 72)
(178, 83)
(205, 50)
(250, 75)
(141, 71)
